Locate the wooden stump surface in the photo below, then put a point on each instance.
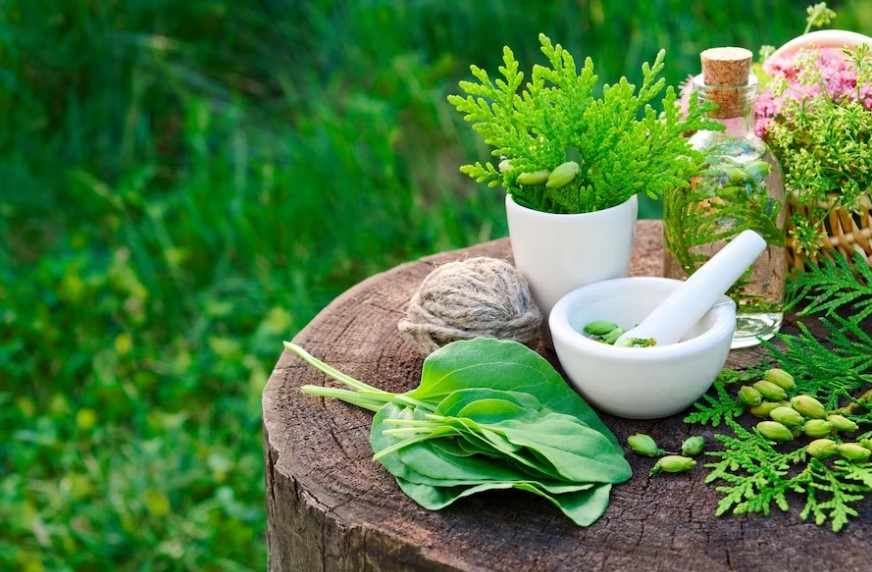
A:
(332, 508)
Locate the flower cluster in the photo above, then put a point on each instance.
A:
(815, 113)
(826, 74)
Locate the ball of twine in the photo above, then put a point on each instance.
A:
(477, 297)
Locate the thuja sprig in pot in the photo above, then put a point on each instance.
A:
(561, 149)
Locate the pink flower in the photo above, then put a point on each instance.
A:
(837, 72)
(782, 66)
(768, 107)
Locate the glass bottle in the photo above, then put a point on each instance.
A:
(742, 187)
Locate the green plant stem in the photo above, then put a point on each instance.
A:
(354, 398)
(408, 431)
(409, 422)
(366, 396)
(332, 372)
(434, 434)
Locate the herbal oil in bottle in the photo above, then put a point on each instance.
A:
(741, 188)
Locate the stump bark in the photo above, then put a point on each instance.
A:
(332, 508)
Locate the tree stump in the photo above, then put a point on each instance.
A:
(332, 508)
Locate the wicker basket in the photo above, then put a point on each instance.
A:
(847, 234)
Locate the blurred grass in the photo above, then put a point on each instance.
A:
(185, 184)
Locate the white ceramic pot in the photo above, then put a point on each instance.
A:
(558, 253)
(823, 39)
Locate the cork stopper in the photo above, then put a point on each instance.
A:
(725, 73)
(726, 66)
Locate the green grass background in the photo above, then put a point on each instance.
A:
(184, 184)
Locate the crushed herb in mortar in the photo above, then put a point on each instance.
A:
(608, 333)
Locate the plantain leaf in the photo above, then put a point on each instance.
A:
(507, 366)
(488, 415)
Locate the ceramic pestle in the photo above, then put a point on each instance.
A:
(683, 308)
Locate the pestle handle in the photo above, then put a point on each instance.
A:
(689, 302)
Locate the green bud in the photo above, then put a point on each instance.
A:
(780, 378)
(853, 452)
(786, 415)
(842, 423)
(817, 428)
(613, 336)
(822, 448)
(535, 178)
(562, 175)
(808, 406)
(692, 446)
(867, 443)
(764, 409)
(735, 175)
(758, 169)
(673, 464)
(600, 327)
(770, 391)
(774, 430)
(642, 444)
(750, 397)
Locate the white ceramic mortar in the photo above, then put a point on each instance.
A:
(633, 382)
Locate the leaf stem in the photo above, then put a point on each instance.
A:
(373, 403)
(408, 431)
(330, 371)
(371, 395)
(436, 433)
(409, 422)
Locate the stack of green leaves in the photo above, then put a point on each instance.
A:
(488, 414)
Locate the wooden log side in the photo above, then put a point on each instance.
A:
(331, 508)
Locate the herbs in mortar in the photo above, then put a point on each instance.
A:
(608, 333)
(488, 414)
